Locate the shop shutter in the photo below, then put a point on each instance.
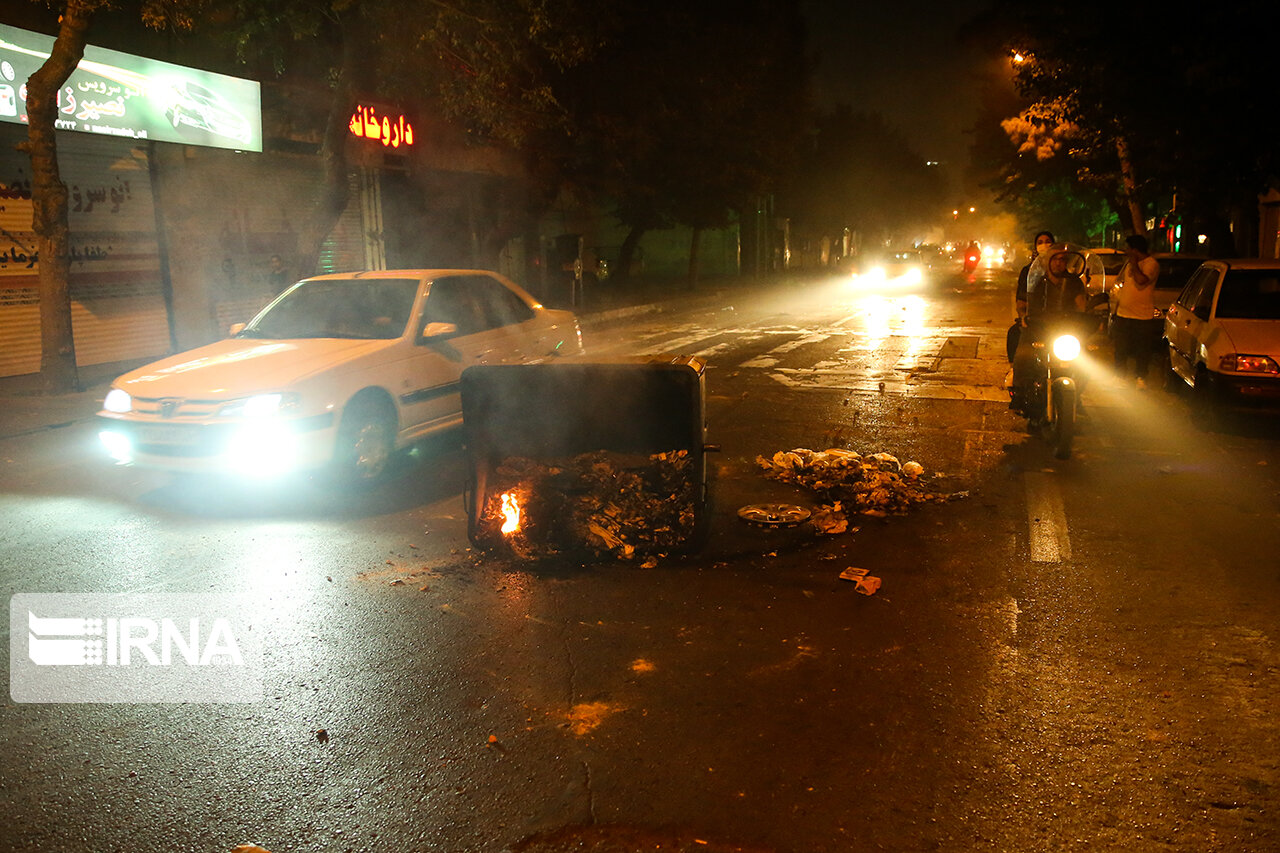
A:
(118, 308)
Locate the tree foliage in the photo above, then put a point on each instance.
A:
(1142, 105)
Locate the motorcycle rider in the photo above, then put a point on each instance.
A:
(1043, 240)
(1056, 297)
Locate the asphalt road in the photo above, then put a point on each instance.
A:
(1078, 654)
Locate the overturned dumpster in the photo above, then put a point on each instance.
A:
(586, 459)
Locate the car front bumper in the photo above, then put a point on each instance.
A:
(248, 448)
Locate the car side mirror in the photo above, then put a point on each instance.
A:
(1201, 312)
(236, 328)
(434, 331)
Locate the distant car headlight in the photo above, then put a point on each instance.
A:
(1240, 363)
(1066, 347)
(259, 406)
(117, 401)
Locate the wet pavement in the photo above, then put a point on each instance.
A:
(1112, 691)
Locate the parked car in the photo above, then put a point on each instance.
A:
(1111, 261)
(1223, 333)
(902, 268)
(1175, 271)
(339, 371)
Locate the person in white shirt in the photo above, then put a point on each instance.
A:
(1137, 325)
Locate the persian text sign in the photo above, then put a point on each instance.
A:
(118, 94)
(132, 648)
(392, 133)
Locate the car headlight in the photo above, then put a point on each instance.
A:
(117, 401)
(1066, 347)
(259, 406)
(912, 276)
(1240, 363)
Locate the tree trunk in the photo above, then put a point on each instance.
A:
(336, 191)
(1137, 220)
(695, 242)
(49, 201)
(626, 254)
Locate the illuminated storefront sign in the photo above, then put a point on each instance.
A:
(117, 94)
(392, 133)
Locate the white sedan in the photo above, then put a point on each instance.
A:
(339, 371)
(1223, 332)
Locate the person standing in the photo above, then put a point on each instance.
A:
(1043, 240)
(1137, 325)
(277, 275)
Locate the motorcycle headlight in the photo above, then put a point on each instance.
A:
(1066, 347)
(117, 401)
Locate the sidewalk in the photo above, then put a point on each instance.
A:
(25, 408)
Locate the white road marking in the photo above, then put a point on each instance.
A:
(1047, 520)
(767, 360)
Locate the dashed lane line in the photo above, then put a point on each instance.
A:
(1046, 520)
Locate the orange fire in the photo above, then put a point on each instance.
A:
(511, 513)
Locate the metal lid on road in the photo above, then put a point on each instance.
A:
(774, 515)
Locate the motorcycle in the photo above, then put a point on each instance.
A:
(971, 258)
(1049, 394)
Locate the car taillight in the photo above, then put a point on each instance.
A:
(1240, 363)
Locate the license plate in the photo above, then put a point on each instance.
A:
(170, 435)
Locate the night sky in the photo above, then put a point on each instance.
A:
(903, 59)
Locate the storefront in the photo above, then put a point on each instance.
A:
(119, 305)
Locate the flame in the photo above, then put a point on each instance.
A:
(511, 513)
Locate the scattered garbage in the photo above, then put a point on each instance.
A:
(865, 582)
(850, 483)
(774, 515)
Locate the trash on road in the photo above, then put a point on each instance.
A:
(848, 482)
(865, 582)
(774, 515)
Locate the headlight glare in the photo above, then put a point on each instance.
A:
(258, 406)
(117, 401)
(1066, 347)
(261, 450)
(117, 445)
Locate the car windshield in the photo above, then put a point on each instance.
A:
(1250, 294)
(375, 309)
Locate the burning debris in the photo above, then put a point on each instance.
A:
(595, 504)
(848, 483)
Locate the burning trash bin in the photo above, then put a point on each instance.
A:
(586, 459)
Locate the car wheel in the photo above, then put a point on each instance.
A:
(366, 442)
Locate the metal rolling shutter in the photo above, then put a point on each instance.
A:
(118, 309)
